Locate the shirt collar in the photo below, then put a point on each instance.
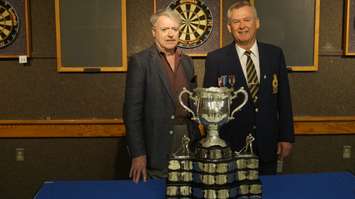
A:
(254, 50)
(178, 51)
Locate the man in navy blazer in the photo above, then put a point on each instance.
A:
(268, 112)
(155, 121)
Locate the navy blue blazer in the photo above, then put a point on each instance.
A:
(270, 119)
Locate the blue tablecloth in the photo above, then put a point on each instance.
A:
(295, 186)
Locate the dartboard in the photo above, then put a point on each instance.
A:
(9, 24)
(197, 22)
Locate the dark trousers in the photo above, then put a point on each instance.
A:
(267, 168)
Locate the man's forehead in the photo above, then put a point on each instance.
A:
(164, 21)
(242, 12)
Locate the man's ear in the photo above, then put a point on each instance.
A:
(153, 33)
(257, 23)
(229, 28)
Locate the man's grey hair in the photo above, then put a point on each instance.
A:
(239, 4)
(167, 12)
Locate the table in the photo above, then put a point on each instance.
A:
(339, 185)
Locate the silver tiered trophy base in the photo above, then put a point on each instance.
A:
(214, 172)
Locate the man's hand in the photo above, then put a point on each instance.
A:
(283, 149)
(138, 169)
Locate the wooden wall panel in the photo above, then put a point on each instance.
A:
(307, 125)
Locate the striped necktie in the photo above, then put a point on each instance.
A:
(252, 77)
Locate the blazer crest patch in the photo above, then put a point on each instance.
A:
(275, 84)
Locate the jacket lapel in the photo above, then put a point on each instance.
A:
(237, 67)
(157, 63)
(188, 72)
(263, 69)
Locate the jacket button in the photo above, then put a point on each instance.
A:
(254, 127)
(171, 132)
(172, 117)
(256, 110)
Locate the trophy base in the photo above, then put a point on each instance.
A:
(212, 141)
(179, 181)
(213, 153)
(214, 172)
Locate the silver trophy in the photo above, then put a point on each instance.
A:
(212, 170)
(213, 110)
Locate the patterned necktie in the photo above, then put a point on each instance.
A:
(253, 82)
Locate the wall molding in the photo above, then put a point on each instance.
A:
(304, 125)
(324, 125)
(62, 128)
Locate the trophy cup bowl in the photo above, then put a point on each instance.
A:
(213, 110)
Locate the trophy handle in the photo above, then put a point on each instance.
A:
(184, 90)
(241, 90)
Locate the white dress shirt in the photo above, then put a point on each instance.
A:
(254, 55)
